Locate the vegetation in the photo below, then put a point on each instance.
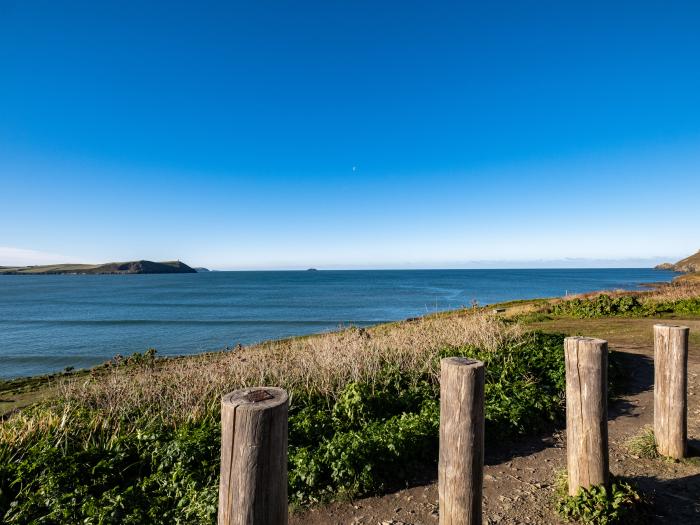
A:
(643, 445)
(600, 505)
(680, 297)
(605, 305)
(374, 434)
(140, 442)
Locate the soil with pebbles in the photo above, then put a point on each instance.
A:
(519, 478)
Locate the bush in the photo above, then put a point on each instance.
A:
(158, 475)
(620, 503)
(604, 305)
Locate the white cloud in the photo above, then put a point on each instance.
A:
(10, 256)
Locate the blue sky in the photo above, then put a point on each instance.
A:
(349, 134)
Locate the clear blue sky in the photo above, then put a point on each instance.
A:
(349, 134)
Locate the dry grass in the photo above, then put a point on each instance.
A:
(684, 287)
(179, 390)
(690, 278)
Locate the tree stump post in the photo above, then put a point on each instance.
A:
(461, 463)
(586, 412)
(253, 485)
(671, 390)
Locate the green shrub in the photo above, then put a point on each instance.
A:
(600, 306)
(604, 305)
(680, 307)
(158, 475)
(599, 505)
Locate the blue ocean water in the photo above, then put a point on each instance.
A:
(48, 322)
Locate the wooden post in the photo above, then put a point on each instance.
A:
(671, 390)
(461, 464)
(253, 486)
(586, 412)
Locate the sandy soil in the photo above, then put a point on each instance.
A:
(519, 478)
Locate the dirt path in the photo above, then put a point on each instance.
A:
(519, 479)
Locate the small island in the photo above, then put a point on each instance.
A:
(113, 268)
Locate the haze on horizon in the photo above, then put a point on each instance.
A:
(337, 135)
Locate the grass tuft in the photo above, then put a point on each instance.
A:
(643, 445)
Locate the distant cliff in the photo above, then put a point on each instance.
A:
(688, 265)
(131, 267)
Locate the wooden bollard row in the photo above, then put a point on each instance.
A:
(586, 403)
(253, 487)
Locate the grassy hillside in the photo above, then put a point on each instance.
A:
(688, 265)
(130, 267)
(689, 278)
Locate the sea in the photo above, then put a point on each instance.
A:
(51, 322)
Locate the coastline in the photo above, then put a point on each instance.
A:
(372, 403)
(25, 386)
(54, 322)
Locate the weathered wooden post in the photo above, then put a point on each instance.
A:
(461, 464)
(253, 486)
(586, 412)
(671, 390)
